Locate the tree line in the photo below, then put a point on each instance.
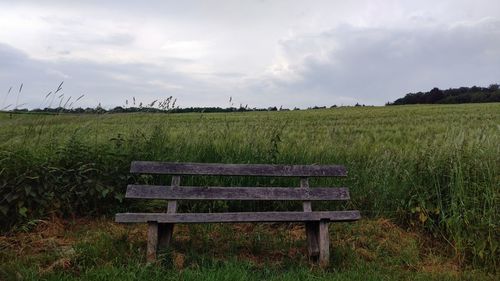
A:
(120, 109)
(453, 95)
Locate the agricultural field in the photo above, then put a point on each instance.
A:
(426, 179)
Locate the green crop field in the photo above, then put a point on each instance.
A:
(432, 169)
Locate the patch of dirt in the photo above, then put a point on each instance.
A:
(178, 260)
(47, 235)
(62, 263)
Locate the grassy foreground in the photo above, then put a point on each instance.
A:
(432, 168)
(101, 250)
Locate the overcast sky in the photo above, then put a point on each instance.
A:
(260, 53)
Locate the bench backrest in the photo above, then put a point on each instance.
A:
(176, 192)
(150, 167)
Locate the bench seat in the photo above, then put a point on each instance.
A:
(334, 216)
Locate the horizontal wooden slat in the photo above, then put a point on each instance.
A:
(238, 217)
(236, 193)
(149, 167)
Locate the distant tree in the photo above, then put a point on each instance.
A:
(454, 95)
(117, 109)
(494, 87)
(317, 107)
(434, 95)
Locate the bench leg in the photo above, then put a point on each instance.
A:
(165, 233)
(152, 245)
(324, 244)
(312, 229)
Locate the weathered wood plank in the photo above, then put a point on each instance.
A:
(238, 217)
(311, 227)
(150, 167)
(306, 205)
(172, 205)
(324, 244)
(152, 243)
(166, 230)
(237, 193)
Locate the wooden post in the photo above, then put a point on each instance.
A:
(312, 228)
(152, 244)
(324, 244)
(166, 230)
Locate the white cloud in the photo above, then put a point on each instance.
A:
(291, 53)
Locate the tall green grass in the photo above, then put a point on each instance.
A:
(435, 168)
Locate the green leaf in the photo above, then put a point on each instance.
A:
(22, 211)
(104, 192)
(422, 217)
(119, 197)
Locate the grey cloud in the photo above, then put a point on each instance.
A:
(369, 63)
(109, 84)
(10, 57)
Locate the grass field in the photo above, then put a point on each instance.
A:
(432, 169)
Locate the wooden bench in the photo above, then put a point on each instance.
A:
(161, 225)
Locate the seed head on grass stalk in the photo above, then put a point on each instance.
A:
(6, 96)
(18, 94)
